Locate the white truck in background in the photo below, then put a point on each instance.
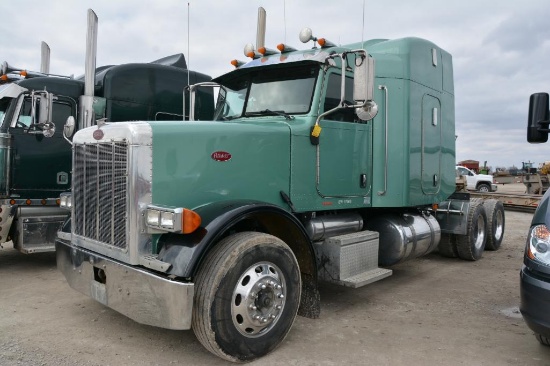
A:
(476, 182)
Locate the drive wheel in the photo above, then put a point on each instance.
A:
(494, 210)
(470, 246)
(447, 246)
(247, 296)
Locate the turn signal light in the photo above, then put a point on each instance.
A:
(190, 221)
(12, 202)
(28, 202)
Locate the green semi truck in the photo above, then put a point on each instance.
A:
(35, 146)
(326, 164)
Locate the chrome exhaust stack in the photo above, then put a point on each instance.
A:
(86, 115)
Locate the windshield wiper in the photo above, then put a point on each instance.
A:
(270, 112)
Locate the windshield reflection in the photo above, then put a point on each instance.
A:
(264, 92)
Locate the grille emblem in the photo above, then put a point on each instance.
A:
(98, 134)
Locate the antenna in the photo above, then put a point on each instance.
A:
(363, 30)
(188, 52)
(284, 16)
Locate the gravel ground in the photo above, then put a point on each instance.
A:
(431, 311)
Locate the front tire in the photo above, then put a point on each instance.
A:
(495, 223)
(470, 246)
(247, 296)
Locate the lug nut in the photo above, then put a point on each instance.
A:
(280, 296)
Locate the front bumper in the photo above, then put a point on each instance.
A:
(142, 295)
(535, 302)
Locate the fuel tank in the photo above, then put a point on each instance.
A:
(404, 236)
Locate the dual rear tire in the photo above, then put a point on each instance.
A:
(485, 230)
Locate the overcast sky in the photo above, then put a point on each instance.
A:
(500, 49)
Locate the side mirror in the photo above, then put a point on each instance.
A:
(68, 129)
(363, 87)
(538, 121)
(46, 106)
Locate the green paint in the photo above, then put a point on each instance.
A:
(348, 169)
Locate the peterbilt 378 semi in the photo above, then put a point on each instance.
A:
(35, 157)
(319, 165)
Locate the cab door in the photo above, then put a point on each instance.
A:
(41, 165)
(344, 165)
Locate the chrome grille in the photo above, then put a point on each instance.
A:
(100, 185)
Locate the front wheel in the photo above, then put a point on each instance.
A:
(247, 296)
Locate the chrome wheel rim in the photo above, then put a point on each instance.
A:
(480, 234)
(499, 225)
(258, 299)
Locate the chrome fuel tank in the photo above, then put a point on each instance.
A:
(404, 236)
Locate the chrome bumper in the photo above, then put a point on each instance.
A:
(146, 297)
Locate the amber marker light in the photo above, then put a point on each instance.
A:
(57, 201)
(23, 73)
(285, 48)
(322, 42)
(43, 201)
(12, 202)
(435, 207)
(190, 221)
(4, 77)
(28, 202)
(237, 63)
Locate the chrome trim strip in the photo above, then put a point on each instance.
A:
(385, 89)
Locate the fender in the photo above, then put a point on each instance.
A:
(542, 213)
(219, 219)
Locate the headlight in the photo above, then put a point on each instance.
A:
(539, 244)
(153, 217)
(65, 201)
(172, 219)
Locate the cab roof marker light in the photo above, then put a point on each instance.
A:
(325, 43)
(249, 51)
(237, 63)
(266, 51)
(283, 48)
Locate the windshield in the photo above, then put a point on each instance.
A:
(268, 92)
(4, 104)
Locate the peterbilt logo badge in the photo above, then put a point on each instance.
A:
(221, 156)
(98, 134)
